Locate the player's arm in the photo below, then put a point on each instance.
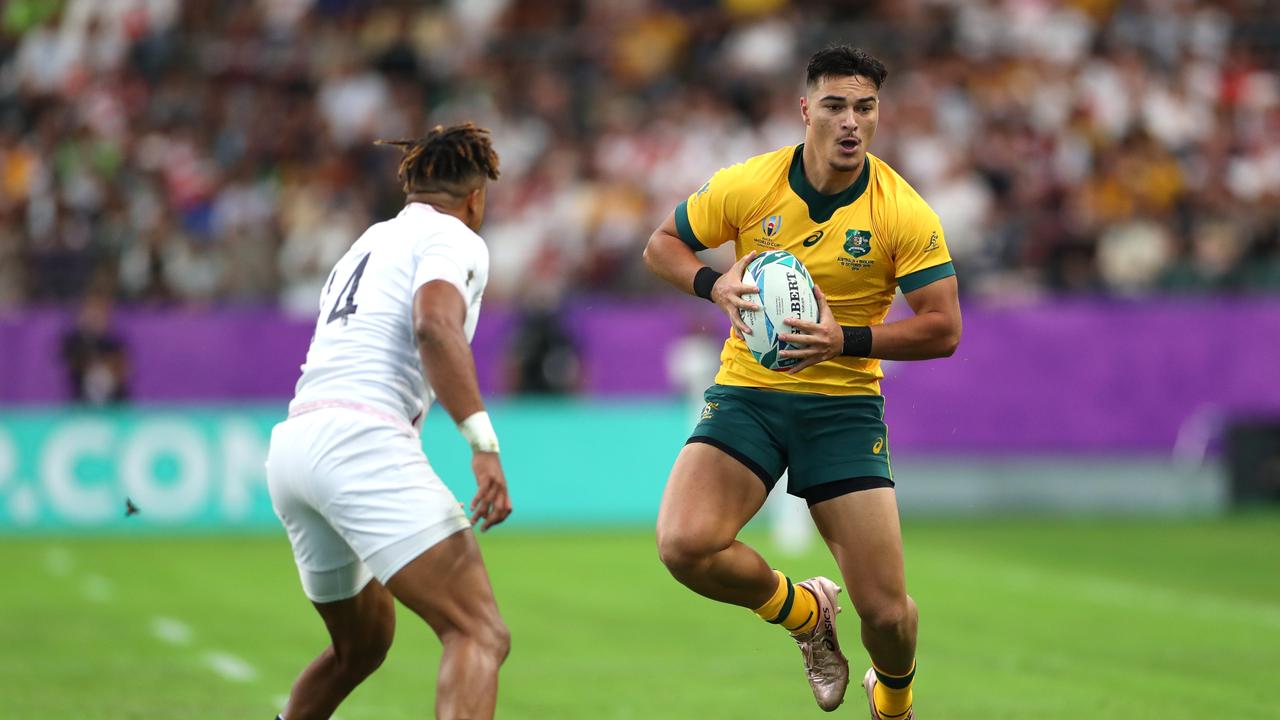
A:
(671, 259)
(439, 316)
(932, 332)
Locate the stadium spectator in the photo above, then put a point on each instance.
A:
(215, 152)
(96, 358)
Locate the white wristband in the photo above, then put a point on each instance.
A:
(478, 430)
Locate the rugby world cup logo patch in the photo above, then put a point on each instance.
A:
(857, 242)
(771, 225)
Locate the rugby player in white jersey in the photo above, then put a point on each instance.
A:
(368, 518)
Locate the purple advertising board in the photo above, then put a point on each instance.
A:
(1086, 375)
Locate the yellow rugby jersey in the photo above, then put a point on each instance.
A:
(859, 245)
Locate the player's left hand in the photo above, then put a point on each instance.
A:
(492, 503)
(818, 341)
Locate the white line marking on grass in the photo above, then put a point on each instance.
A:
(57, 561)
(229, 667)
(97, 589)
(1209, 607)
(170, 630)
(1106, 590)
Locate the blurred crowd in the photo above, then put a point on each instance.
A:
(219, 152)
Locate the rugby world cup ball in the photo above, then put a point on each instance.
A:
(786, 291)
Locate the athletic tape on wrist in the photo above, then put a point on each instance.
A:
(703, 281)
(857, 341)
(478, 430)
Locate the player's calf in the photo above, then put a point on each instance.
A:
(889, 633)
(889, 630)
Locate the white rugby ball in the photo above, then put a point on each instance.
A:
(786, 291)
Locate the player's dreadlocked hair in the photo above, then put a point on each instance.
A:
(447, 159)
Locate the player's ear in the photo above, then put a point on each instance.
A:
(475, 204)
(804, 109)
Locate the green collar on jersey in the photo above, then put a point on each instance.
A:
(822, 207)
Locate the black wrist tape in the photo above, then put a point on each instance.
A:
(857, 341)
(703, 282)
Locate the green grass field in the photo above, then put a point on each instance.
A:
(1068, 619)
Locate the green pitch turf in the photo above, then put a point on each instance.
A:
(1027, 619)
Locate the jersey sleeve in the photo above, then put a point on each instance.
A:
(712, 215)
(921, 255)
(454, 260)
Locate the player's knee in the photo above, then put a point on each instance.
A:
(888, 615)
(488, 634)
(493, 636)
(499, 641)
(682, 551)
(366, 654)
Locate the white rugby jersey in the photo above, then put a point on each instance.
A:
(363, 350)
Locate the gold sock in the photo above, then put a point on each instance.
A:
(893, 693)
(791, 606)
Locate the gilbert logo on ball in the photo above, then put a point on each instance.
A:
(786, 291)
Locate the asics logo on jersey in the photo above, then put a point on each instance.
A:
(813, 239)
(875, 449)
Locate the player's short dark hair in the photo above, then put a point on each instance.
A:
(844, 61)
(453, 160)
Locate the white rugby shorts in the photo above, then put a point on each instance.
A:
(358, 498)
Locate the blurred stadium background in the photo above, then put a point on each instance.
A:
(1089, 485)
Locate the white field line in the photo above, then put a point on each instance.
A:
(229, 667)
(97, 589)
(1105, 590)
(57, 561)
(1205, 606)
(171, 630)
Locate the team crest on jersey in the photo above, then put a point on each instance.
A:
(771, 225)
(857, 242)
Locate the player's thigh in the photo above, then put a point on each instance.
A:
(864, 535)
(385, 500)
(362, 626)
(330, 571)
(724, 473)
(448, 587)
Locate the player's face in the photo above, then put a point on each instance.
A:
(840, 117)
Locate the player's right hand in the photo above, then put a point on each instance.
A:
(491, 503)
(728, 292)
